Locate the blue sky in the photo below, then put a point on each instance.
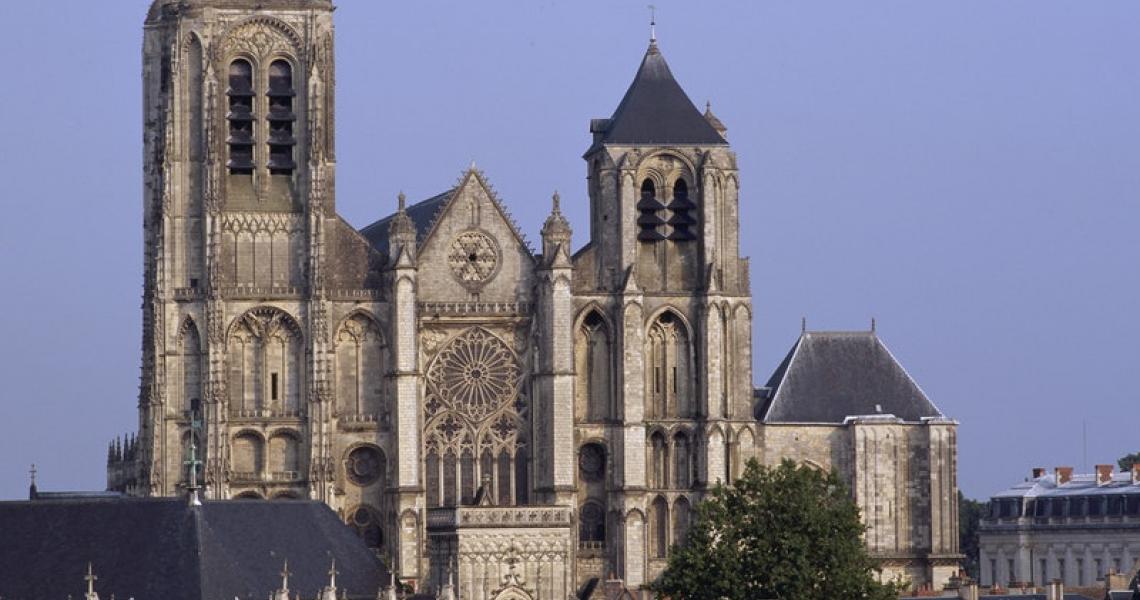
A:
(964, 171)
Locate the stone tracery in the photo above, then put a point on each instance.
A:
(471, 410)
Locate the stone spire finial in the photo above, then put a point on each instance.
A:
(556, 233)
(32, 489)
(401, 232)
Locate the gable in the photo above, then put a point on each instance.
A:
(473, 251)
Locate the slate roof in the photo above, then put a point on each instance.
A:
(422, 213)
(829, 376)
(1046, 486)
(655, 110)
(163, 548)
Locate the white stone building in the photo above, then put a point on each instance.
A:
(1076, 528)
(432, 373)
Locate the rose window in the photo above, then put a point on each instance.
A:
(475, 374)
(473, 258)
(364, 466)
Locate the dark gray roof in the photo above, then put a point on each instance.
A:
(655, 110)
(422, 213)
(829, 376)
(163, 548)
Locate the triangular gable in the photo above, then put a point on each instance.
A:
(471, 177)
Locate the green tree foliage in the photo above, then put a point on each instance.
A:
(1125, 463)
(970, 514)
(785, 532)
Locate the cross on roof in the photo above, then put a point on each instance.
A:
(652, 23)
(90, 579)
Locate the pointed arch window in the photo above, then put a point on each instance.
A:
(659, 524)
(241, 118)
(682, 461)
(681, 218)
(650, 219)
(281, 118)
(669, 370)
(594, 370)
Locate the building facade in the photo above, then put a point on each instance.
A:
(1076, 528)
(434, 364)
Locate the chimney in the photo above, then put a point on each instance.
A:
(1064, 475)
(1116, 581)
(1055, 590)
(1103, 474)
(1038, 472)
(968, 591)
(1136, 472)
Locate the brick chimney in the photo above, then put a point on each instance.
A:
(1136, 472)
(1055, 590)
(1103, 474)
(1038, 472)
(1064, 474)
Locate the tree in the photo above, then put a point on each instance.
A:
(784, 532)
(970, 514)
(1125, 463)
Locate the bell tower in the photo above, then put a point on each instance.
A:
(664, 256)
(238, 186)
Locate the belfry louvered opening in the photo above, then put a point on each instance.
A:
(281, 118)
(241, 118)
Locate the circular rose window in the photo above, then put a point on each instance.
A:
(473, 258)
(364, 466)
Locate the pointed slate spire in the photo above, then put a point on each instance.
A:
(655, 110)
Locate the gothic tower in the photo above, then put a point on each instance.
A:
(664, 321)
(239, 171)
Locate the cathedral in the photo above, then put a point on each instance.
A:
(499, 420)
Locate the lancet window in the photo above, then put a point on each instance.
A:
(651, 214)
(241, 118)
(681, 218)
(473, 409)
(361, 364)
(593, 354)
(669, 370)
(281, 118)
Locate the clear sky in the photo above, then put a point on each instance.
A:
(965, 171)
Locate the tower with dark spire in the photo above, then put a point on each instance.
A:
(663, 268)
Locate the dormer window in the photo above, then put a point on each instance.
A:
(281, 118)
(241, 118)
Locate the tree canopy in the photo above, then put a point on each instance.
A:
(970, 515)
(787, 532)
(1125, 463)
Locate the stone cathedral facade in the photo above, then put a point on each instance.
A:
(504, 420)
